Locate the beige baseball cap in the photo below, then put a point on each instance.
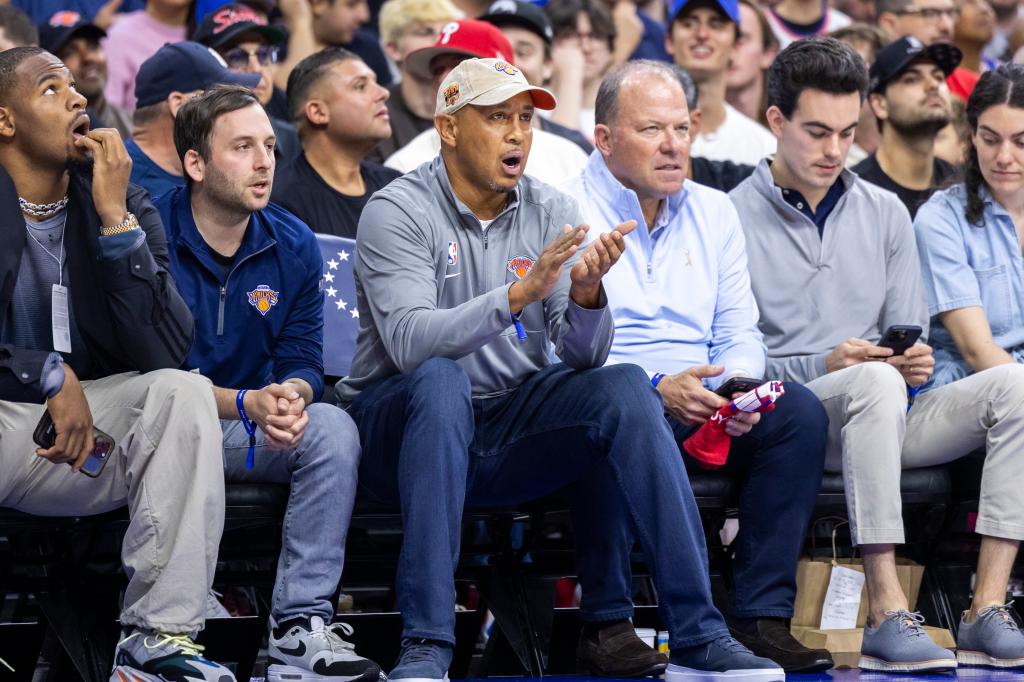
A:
(485, 82)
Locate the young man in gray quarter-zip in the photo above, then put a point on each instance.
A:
(466, 273)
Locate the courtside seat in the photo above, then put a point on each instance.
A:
(927, 485)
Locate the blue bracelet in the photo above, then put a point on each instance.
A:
(656, 379)
(520, 331)
(250, 428)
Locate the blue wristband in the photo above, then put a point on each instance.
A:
(250, 428)
(656, 379)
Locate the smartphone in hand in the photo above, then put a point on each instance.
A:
(45, 436)
(738, 385)
(900, 337)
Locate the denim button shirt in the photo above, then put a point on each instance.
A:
(970, 265)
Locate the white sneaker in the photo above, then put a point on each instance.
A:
(310, 650)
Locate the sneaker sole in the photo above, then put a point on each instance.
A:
(678, 673)
(290, 673)
(981, 658)
(124, 674)
(872, 663)
(584, 668)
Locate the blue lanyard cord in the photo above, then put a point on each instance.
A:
(911, 394)
(250, 428)
(520, 330)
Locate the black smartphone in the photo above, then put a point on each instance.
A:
(900, 337)
(45, 436)
(738, 385)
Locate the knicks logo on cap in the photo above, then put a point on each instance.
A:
(263, 298)
(451, 94)
(505, 68)
(519, 266)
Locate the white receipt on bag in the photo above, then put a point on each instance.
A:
(842, 599)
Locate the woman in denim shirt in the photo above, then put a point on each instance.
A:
(969, 238)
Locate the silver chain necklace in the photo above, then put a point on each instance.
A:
(42, 210)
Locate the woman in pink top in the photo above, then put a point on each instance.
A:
(134, 38)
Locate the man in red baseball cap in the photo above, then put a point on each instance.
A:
(554, 158)
(456, 40)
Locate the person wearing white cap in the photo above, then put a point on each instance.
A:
(467, 272)
(555, 158)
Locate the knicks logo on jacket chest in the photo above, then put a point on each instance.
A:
(519, 266)
(263, 298)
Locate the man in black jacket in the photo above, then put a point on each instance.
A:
(86, 303)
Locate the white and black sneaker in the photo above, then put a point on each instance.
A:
(310, 650)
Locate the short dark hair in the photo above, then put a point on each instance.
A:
(308, 73)
(18, 27)
(194, 123)
(10, 60)
(606, 106)
(562, 15)
(817, 63)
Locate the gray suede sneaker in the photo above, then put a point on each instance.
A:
(993, 639)
(901, 645)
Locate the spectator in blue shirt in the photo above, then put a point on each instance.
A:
(251, 275)
(969, 240)
(684, 311)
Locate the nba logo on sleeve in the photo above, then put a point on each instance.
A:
(453, 253)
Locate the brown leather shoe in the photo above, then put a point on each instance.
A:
(773, 640)
(616, 651)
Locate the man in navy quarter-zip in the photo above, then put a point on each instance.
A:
(251, 275)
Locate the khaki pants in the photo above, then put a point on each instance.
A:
(167, 468)
(872, 438)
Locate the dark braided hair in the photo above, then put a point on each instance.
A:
(1004, 85)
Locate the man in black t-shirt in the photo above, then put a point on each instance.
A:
(909, 97)
(341, 114)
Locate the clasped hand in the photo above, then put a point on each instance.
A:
(280, 412)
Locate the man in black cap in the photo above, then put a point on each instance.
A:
(248, 44)
(910, 99)
(528, 29)
(76, 42)
(166, 81)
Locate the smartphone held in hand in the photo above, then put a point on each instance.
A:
(45, 435)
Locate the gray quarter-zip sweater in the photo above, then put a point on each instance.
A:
(431, 282)
(816, 292)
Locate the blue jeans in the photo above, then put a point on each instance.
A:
(322, 472)
(778, 466)
(432, 448)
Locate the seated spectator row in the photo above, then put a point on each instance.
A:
(603, 319)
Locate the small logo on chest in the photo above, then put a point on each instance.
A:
(263, 298)
(519, 266)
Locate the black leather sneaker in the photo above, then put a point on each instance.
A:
(616, 651)
(772, 639)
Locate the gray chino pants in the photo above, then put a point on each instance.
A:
(872, 438)
(166, 467)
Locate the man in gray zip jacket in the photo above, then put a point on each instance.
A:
(465, 276)
(833, 263)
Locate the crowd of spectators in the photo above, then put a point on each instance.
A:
(579, 226)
